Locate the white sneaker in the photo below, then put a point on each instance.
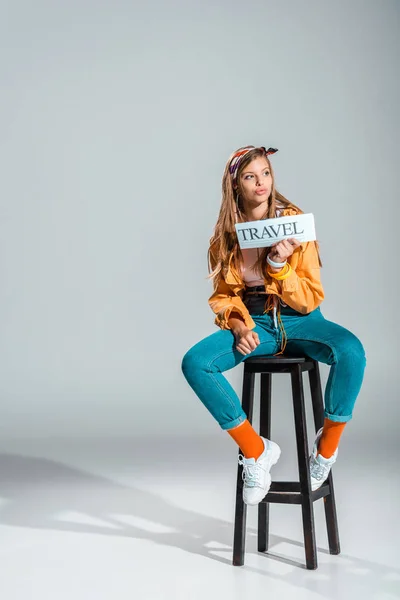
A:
(319, 465)
(255, 474)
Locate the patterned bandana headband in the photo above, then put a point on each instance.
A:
(236, 159)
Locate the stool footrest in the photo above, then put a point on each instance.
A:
(288, 492)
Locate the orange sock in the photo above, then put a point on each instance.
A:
(330, 437)
(247, 439)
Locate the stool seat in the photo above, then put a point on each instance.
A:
(282, 358)
(286, 492)
(277, 364)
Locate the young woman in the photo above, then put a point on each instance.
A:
(267, 301)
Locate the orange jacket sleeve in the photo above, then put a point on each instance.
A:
(223, 301)
(302, 290)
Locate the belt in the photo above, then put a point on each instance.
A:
(257, 289)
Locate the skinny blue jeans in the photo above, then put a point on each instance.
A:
(311, 335)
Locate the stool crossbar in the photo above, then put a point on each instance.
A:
(286, 492)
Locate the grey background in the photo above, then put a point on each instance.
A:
(117, 119)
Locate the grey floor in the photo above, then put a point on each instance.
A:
(153, 518)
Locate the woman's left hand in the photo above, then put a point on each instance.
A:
(280, 251)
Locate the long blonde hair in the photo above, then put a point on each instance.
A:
(224, 241)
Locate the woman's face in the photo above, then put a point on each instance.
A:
(256, 182)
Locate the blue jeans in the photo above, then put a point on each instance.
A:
(311, 335)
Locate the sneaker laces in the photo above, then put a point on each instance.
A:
(319, 470)
(251, 472)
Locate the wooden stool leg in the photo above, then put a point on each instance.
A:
(239, 536)
(304, 474)
(265, 431)
(329, 501)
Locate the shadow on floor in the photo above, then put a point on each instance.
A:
(44, 494)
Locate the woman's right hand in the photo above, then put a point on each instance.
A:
(247, 340)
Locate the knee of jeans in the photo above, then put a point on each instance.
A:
(352, 349)
(191, 362)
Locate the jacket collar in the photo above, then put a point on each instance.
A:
(232, 276)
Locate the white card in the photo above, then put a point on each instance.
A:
(265, 232)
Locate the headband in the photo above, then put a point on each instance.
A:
(237, 157)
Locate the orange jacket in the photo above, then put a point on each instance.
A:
(302, 290)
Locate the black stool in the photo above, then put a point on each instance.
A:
(286, 492)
